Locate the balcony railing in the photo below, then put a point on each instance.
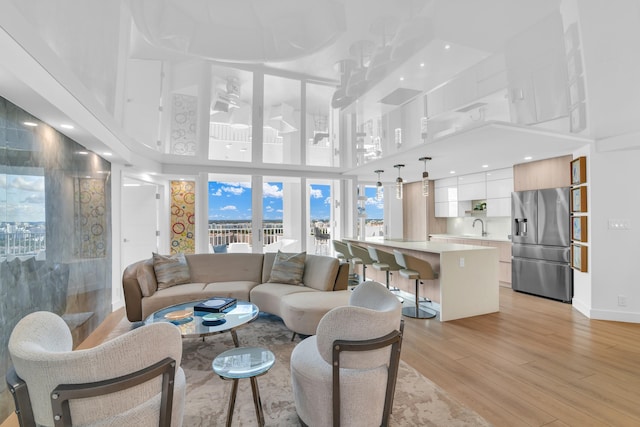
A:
(22, 242)
(225, 234)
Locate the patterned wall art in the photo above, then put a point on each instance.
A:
(90, 218)
(184, 121)
(183, 217)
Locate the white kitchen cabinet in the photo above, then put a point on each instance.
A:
(446, 197)
(473, 191)
(499, 207)
(499, 174)
(499, 189)
(472, 187)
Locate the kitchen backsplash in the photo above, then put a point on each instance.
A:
(495, 227)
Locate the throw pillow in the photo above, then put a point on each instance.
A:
(171, 270)
(288, 268)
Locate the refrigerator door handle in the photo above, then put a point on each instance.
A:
(517, 230)
(524, 227)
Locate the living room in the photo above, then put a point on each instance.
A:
(45, 80)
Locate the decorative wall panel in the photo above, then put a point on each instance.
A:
(184, 120)
(183, 217)
(90, 217)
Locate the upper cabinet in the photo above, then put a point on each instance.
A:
(472, 187)
(499, 189)
(453, 196)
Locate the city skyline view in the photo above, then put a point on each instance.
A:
(231, 201)
(23, 196)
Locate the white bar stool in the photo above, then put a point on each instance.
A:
(418, 269)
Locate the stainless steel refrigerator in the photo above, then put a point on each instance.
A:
(540, 253)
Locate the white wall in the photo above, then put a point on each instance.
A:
(610, 33)
(614, 271)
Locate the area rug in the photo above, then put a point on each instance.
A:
(418, 401)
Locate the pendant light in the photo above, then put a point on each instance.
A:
(399, 182)
(425, 177)
(379, 185)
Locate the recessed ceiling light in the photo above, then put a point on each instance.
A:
(422, 65)
(452, 171)
(485, 166)
(31, 124)
(447, 46)
(401, 79)
(66, 126)
(528, 158)
(106, 153)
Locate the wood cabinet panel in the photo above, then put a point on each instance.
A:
(419, 213)
(415, 212)
(504, 273)
(549, 173)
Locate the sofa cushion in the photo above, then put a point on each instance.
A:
(238, 289)
(302, 312)
(147, 278)
(267, 296)
(288, 268)
(171, 270)
(230, 267)
(320, 272)
(172, 295)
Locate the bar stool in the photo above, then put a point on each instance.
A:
(344, 255)
(418, 269)
(342, 250)
(360, 256)
(384, 261)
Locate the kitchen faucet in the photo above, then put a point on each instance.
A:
(484, 233)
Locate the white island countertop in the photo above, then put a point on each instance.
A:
(422, 246)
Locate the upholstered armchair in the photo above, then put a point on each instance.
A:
(132, 380)
(347, 372)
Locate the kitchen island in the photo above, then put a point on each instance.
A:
(467, 283)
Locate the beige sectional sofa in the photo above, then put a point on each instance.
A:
(243, 276)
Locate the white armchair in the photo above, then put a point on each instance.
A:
(347, 372)
(133, 379)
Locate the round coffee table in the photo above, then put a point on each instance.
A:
(244, 362)
(191, 325)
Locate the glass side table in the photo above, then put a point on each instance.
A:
(244, 362)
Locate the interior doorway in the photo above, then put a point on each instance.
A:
(139, 220)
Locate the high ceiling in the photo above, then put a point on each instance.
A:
(304, 38)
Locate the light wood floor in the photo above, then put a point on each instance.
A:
(535, 363)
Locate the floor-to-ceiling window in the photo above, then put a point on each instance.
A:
(321, 219)
(230, 213)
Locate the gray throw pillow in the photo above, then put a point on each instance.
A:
(171, 270)
(288, 268)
